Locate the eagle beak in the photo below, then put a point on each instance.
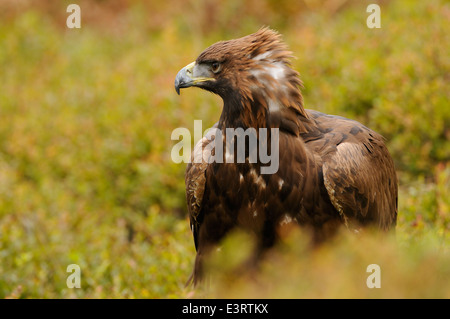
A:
(187, 77)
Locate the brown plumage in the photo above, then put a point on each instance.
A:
(332, 171)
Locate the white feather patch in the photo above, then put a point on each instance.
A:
(274, 106)
(276, 70)
(286, 220)
(262, 56)
(257, 178)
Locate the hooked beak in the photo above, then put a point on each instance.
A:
(188, 77)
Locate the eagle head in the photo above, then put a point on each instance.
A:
(252, 74)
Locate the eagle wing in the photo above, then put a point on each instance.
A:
(358, 172)
(195, 180)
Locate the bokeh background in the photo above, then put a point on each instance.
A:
(86, 117)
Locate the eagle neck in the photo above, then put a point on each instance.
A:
(239, 111)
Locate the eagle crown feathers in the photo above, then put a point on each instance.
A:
(256, 82)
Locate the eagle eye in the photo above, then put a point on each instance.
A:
(216, 67)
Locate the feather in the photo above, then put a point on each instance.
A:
(333, 172)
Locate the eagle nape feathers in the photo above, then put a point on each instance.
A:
(332, 172)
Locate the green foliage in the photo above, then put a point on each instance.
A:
(85, 138)
(338, 269)
(394, 79)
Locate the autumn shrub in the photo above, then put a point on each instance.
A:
(86, 117)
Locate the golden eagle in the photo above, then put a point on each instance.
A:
(332, 171)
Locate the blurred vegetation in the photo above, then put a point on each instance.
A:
(86, 117)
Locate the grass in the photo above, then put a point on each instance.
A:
(85, 123)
